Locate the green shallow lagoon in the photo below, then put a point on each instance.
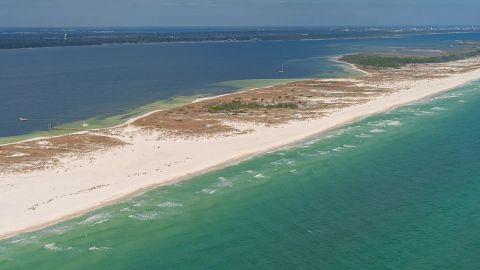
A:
(111, 120)
(103, 85)
(399, 190)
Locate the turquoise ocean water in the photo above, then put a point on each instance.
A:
(398, 190)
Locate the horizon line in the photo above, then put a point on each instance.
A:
(249, 26)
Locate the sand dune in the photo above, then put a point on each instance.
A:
(148, 157)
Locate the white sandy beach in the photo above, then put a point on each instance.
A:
(36, 199)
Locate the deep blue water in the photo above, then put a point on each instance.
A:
(50, 85)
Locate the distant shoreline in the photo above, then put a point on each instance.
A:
(152, 161)
(389, 35)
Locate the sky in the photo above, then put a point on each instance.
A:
(25, 13)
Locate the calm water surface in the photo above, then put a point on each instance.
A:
(398, 190)
(61, 85)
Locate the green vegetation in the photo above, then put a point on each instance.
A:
(241, 85)
(237, 105)
(53, 37)
(103, 121)
(118, 119)
(397, 61)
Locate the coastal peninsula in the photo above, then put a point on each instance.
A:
(45, 180)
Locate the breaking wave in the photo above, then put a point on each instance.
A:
(96, 219)
(170, 205)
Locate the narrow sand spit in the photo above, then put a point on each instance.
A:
(46, 180)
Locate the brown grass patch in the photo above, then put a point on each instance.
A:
(43, 154)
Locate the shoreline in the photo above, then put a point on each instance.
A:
(352, 66)
(193, 99)
(335, 59)
(125, 122)
(293, 133)
(387, 36)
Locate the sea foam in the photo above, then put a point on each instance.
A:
(95, 219)
(95, 248)
(52, 247)
(259, 176)
(146, 216)
(170, 205)
(377, 130)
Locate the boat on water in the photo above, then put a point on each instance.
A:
(282, 70)
(23, 119)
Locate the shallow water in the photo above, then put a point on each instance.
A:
(398, 190)
(64, 85)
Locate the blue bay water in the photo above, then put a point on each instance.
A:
(398, 190)
(61, 85)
